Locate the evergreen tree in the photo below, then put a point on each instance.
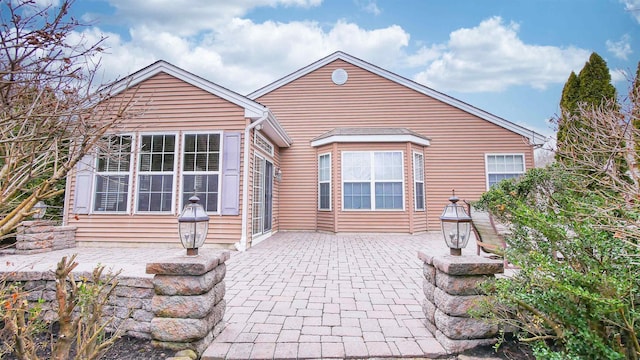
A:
(595, 82)
(591, 88)
(568, 105)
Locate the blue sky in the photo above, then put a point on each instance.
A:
(508, 57)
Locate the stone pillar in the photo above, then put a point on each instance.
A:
(451, 287)
(39, 236)
(188, 304)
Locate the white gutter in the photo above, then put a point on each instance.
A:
(242, 244)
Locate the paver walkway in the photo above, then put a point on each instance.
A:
(314, 295)
(302, 294)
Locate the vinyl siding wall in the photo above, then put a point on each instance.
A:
(312, 105)
(167, 105)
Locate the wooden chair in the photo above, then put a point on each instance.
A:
(488, 238)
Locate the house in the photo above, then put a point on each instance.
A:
(340, 146)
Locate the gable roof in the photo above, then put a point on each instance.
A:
(534, 137)
(251, 108)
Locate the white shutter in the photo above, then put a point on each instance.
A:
(231, 174)
(84, 185)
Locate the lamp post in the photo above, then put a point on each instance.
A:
(456, 226)
(193, 225)
(40, 208)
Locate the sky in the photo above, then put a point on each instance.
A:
(508, 57)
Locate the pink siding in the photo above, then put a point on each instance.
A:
(167, 105)
(312, 105)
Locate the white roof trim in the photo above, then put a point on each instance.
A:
(275, 132)
(252, 109)
(404, 138)
(533, 137)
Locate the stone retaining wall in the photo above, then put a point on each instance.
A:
(130, 305)
(452, 290)
(39, 236)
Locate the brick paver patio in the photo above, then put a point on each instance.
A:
(314, 295)
(302, 294)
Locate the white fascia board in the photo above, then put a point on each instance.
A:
(371, 139)
(534, 138)
(252, 108)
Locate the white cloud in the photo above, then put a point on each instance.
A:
(620, 49)
(369, 6)
(491, 57)
(199, 15)
(244, 56)
(633, 7)
(618, 75)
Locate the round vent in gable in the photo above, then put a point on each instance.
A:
(339, 76)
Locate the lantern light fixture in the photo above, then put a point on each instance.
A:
(456, 225)
(193, 225)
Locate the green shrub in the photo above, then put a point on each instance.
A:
(577, 292)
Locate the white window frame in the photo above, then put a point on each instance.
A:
(486, 166)
(417, 180)
(113, 173)
(373, 181)
(325, 182)
(182, 172)
(175, 173)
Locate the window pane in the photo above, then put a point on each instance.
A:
(325, 199)
(324, 170)
(419, 196)
(357, 196)
(111, 193)
(203, 186)
(189, 143)
(155, 192)
(389, 195)
(214, 143)
(356, 166)
(388, 165)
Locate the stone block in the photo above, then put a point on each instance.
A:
(430, 326)
(193, 306)
(459, 328)
(180, 330)
(134, 292)
(188, 284)
(454, 346)
(428, 289)
(429, 310)
(429, 273)
(142, 315)
(468, 265)
(189, 265)
(137, 326)
(461, 284)
(135, 282)
(425, 257)
(454, 305)
(26, 275)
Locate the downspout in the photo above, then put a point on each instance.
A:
(242, 244)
